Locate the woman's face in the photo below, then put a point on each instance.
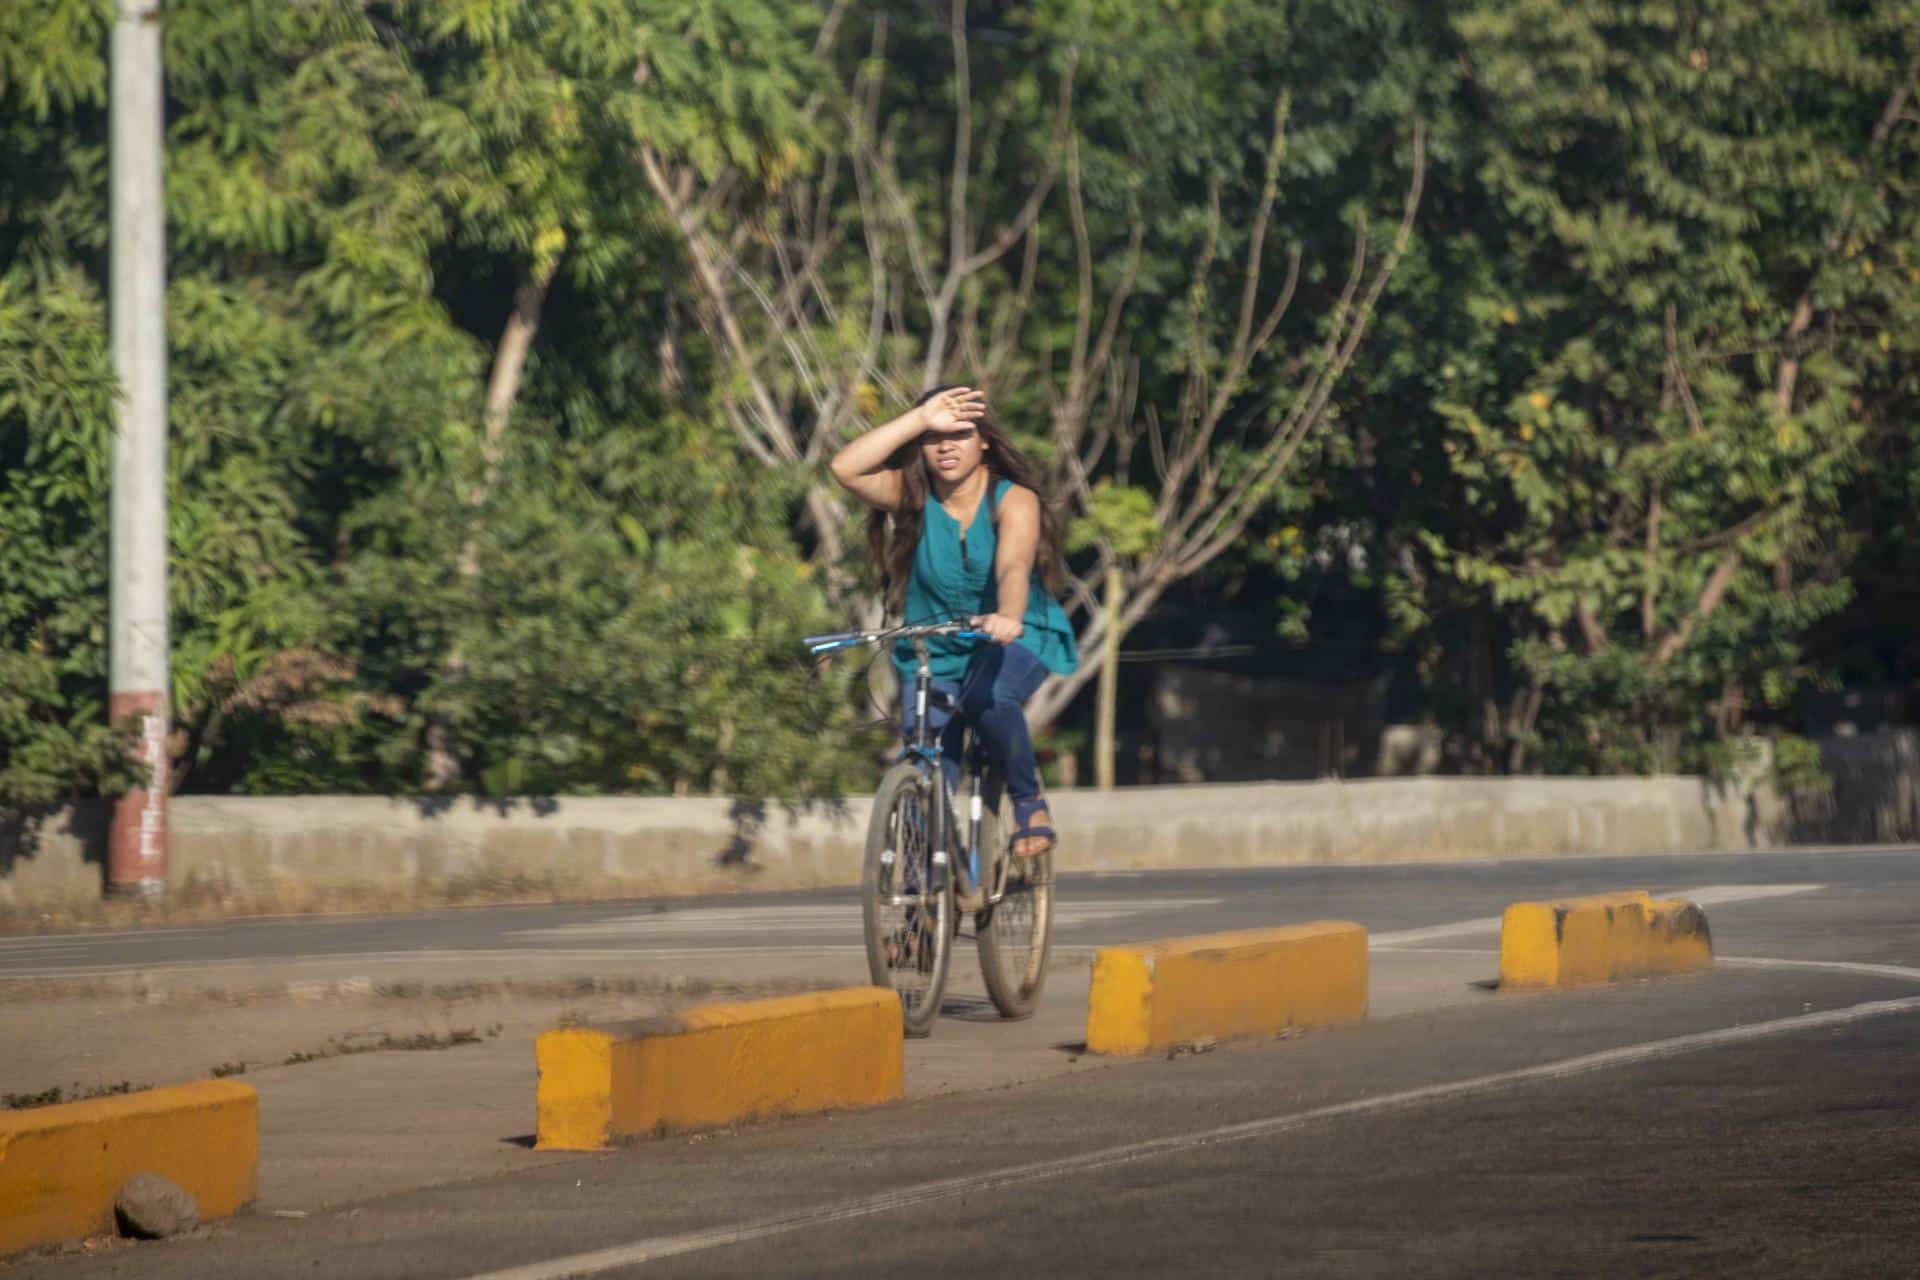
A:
(952, 453)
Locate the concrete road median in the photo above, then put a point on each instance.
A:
(718, 1063)
(62, 1166)
(1155, 996)
(1581, 941)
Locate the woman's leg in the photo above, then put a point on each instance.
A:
(993, 699)
(943, 725)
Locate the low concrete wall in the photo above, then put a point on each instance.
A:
(599, 846)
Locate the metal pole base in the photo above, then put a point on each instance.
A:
(137, 838)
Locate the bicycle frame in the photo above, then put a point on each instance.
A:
(945, 878)
(926, 748)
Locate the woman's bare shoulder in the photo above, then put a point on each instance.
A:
(1019, 496)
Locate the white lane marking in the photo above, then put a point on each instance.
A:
(1381, 941)
(943, 1191)
(1713, 895)
(1838, 966)
(1703, 896)
(84, 939)
(842, 919)
(1862, 968)
(423, 957)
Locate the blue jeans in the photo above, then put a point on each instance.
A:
(997, 685)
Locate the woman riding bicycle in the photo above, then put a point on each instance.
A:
(928, 475)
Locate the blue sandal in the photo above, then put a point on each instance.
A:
(1023, 811)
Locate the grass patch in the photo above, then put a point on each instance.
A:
(199, 899)
(55, 1096)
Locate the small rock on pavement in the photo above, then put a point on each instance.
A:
(152, 1208)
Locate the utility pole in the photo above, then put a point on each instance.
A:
(137, 304)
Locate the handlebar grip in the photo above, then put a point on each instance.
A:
(835, 637)
(972, 635)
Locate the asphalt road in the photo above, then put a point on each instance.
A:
(1756, 1120)
(1095, 910)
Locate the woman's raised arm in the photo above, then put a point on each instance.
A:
(861, 467)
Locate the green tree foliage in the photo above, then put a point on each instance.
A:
(55, 395)
(355, 195)
(508, 340)
(1655, 298)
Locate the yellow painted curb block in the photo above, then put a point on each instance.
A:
(1158, 995)
(718, 1063)
(1580, 941)
(62, 1166)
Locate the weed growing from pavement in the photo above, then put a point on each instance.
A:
(197, 899)
(226, 1069)
(55, 1096)
(426, 1040)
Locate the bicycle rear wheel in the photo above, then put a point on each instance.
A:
(1015, 935)
(908, 913)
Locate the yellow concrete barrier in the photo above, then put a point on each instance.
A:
(718, 1063)
(1158, 995)
(1580, 941)
(62, 1166)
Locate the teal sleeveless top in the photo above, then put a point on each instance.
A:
(952, 577)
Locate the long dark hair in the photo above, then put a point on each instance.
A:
(892, 536)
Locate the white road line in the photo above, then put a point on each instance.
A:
(840, 919)
(1713, 895)
(943, 1191)
(424, 957)
(145, 935)
(1400, 938)
(31, 947)
(1837, 966)
(1704, 896)
(1862, 968)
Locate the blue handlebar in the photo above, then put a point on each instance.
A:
(827, 643)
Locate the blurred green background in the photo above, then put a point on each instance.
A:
(1549, 364)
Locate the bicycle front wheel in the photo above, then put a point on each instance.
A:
(907, 908)
(1015, 935)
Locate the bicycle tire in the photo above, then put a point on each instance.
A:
(1015, 935)
(908, 947)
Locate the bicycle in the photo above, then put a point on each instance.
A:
(917, 874)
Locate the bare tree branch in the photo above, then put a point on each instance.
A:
(1718, 583)
(1788, 374)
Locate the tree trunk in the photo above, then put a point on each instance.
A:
(503, 389)
(1103, 736)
